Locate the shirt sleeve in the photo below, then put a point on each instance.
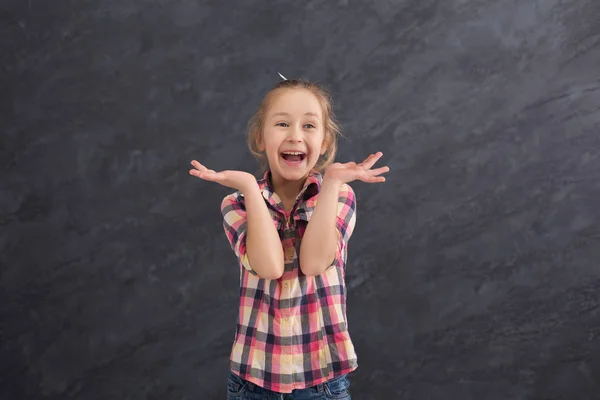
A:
(346, 220)
(233, 211)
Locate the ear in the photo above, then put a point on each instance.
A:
(325, 145)
(260, 143)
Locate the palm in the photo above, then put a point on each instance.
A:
(352, 171)
(238, 180)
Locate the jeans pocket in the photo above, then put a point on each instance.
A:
(236, 386)
(338, 388)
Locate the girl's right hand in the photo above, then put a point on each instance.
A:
(237, 180)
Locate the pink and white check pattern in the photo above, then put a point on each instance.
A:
(292, 333)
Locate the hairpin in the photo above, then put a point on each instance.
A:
(282, 77)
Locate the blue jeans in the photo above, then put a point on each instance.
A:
(240, 389)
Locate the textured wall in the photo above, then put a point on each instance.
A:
(474, 270)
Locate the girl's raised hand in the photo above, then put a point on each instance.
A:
(237, 180)
(351, 171)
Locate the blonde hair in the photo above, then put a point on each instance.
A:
(332, 126)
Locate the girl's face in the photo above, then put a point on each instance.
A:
(294, 134)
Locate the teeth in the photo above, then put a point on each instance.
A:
(293, 153)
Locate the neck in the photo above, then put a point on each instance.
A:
(287, 190)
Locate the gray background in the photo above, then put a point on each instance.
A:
(473, 272)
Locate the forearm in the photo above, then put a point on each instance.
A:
(263, 245)
(320, 240)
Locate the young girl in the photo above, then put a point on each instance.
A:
(290, 232)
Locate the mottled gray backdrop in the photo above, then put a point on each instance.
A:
(474, 270)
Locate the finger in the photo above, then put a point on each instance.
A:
(198, 166)
(373, 179)
(380, 170)
(197, 173)
(201, 167)
(208, 175)
(371, 160)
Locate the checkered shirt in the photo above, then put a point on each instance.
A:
(292, 332)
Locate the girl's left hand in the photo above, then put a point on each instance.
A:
(348, 172)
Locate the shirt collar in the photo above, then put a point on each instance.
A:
(312, 185)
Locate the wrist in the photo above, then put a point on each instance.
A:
(330, 182)
(250, 188)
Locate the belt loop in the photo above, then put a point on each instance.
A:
(321, 388)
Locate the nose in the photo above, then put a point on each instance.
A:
(295, 134)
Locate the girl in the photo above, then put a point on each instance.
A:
(290, 232)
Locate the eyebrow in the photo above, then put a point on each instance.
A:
(309, 114)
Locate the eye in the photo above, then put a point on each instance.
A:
(310, 125)
(280, 124)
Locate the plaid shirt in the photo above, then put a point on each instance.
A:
(292, 332)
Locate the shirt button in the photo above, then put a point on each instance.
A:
(287, 318)
(285, 284)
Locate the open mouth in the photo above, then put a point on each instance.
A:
(293, 157)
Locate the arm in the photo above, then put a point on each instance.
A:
(264, 249)
(330, 227)
(252, 234)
